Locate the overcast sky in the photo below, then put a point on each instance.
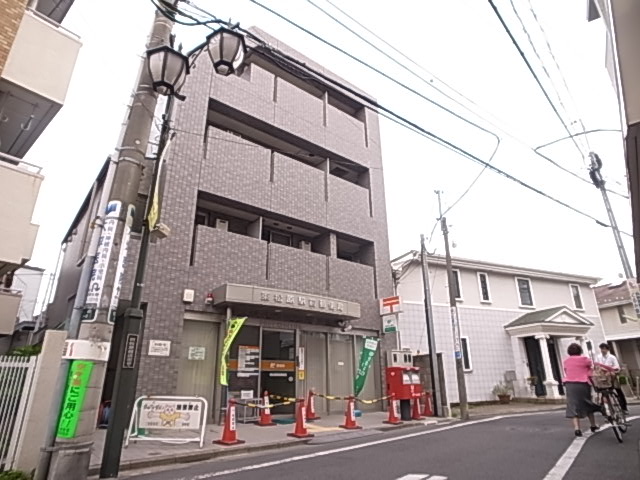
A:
(462, 43)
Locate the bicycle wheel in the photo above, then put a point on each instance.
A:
(618, 413)
(612, 417)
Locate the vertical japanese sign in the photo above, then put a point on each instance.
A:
(455, 325)
(77, 383)
(366, 357)
(235, 324)
(124, 249)
(101, 262)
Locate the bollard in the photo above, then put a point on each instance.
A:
(415, 412)
(428, 405)
(229, 434)
(350, 415)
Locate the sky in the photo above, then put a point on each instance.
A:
(457, 46)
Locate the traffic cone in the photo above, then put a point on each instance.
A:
(394, 412)
(300, 430)
(229, 436)
(265, 419)
(350, 415)
(428, 405)
(311, 407)
(415, 413)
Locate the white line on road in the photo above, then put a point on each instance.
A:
(414, 476)
(565, 462)
(298, 458)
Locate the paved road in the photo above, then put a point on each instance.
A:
(526, 447)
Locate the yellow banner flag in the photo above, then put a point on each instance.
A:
(235, 324)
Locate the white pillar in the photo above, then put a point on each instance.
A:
(550, 383)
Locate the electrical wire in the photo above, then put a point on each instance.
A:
(271, 53)
(532, 71)
(563, 78)
(543, 156)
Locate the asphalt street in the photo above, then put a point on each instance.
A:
(522, 447)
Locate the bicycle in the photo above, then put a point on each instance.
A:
(603, 384)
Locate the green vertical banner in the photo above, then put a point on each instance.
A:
(77, 384)
(235, 324)
(368, 351)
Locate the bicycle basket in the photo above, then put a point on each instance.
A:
(602, 381)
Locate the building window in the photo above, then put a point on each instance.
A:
(466, 354)
(524, 292)
(457, 286)
(483, 283)
(577, 297)
(621, 315)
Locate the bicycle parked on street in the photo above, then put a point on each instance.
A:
(604, 384)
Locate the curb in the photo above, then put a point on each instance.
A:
(199, 456)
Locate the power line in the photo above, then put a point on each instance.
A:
(563, 78)
(541, 155)
(532, 71)
(272, 53)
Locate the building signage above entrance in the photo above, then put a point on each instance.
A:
(283, 299)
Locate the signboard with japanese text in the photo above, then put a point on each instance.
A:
(366, 357)
(196, 353)
(170, 414)
(77, 383)
(159, 348)
(390, 305)
(248, 361)
(101, 261)
(122, 258)
(390, 323)
(130, 351)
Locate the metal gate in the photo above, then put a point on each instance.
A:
(16, 380)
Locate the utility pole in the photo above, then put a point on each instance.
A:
(431, 333)
(455, 320)
(598, 181)
(72, 451)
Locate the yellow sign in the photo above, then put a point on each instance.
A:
(235, 324)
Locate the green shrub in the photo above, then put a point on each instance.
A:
(26, 351)
(623, 380)
(14, 475)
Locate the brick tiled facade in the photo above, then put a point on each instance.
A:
(231, 169)
(11, 12)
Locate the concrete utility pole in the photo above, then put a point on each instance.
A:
(431, 333)
(455, 320)
(71, 456)
(598, 181)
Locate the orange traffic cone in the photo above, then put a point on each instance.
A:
(300, 430)
(265, 419)
(394, 411)
(350, 415)
(428, 405)
(415, 413)
(311, 407)
(229, 436)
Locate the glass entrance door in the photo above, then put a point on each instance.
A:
(278, 366)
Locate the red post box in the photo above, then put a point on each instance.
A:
(403, 380)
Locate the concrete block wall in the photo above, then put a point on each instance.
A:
(348, 208)
(299, 112)
(298, 270)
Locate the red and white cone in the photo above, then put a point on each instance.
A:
(265, 419)
(350, 415)
(229, 434)
(300, 430)
(394, 411)
(415, 411)
(428, 405)
(311, 407)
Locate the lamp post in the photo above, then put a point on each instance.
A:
(168, 70)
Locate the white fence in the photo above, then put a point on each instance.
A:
(16, 381)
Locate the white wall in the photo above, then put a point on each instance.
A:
(28, 282)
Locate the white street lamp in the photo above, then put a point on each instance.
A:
(168, 69)
(226, 50)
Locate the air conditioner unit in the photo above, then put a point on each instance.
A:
(304, 245)
(222, 224)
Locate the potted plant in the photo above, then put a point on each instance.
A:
(503, 392)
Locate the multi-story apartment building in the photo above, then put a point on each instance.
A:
(621, 324)
(274, 195)
(515, 323)
(37, 58)
(621, 19)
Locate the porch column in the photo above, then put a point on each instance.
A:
(581, 341)
(550, 383)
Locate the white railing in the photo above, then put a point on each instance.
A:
(16, 381)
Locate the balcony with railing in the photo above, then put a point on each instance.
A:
(35, 80)
(19, 184)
